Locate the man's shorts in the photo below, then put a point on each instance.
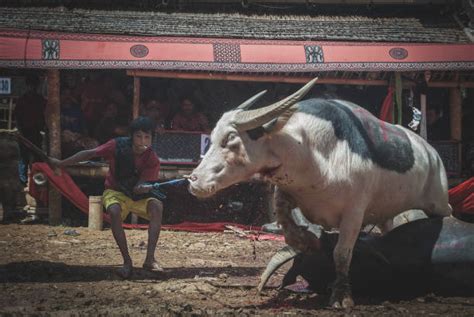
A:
(110, 197)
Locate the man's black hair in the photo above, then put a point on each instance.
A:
(144, 124)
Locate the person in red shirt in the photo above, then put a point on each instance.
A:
(132, 164)
(188, 119)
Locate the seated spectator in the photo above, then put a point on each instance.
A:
(437, 124)
(72, 142)
(152, 109)
(93, 100)
(188, 119)
(114, 93)
(109, 126)
(72, 118)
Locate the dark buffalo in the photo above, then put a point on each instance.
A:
(427, 255)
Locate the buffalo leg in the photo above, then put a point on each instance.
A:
(349, 229)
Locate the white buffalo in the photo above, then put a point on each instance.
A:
(334, 160)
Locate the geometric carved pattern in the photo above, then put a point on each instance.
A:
(50, 49)
(226, 53)
(314, 54)
(241, 67)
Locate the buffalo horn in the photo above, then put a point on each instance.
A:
(249, 102)
(251, 119)
(281, 257)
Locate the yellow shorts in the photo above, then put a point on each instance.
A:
(110, 197)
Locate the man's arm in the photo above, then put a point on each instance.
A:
(76, 158)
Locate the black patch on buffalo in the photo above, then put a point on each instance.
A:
(385, 144)
(256, 133)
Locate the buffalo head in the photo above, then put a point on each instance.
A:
(239, 144)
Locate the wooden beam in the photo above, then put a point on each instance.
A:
(259, 78)
(54, 128)
(285, 79)
(136, 97)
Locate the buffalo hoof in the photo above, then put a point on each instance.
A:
(341, 296)
(345, 302)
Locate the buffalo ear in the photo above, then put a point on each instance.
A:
(256, 133)
(278, 123)
(273, 126)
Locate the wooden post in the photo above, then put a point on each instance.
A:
(95, 213)
(423, 130)
(54, 127)
(135, 113)
(455, 113)
(10, 113)
(136, 97)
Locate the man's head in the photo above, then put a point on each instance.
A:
(141, 132)
(67, 99)
(433, 114)
(187, 106)
(111, 110)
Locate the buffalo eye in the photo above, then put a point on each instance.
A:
(227, 139)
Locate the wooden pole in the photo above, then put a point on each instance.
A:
(423, 128)
(455, 113)
(135, 113)
(10, 113)
(136, 97)
(54, 127)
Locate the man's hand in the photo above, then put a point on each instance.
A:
(142, 189)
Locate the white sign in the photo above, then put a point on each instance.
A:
(5, 85)
(205, 143)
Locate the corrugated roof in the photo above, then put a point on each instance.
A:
(439, 29)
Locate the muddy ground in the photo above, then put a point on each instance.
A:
(43, 271)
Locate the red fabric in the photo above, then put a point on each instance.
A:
(386, 112)
(147, 164)
(66, 186)
(461, 197)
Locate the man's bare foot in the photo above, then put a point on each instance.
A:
(152, 266)
(125, 271)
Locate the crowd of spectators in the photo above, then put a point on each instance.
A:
(97, 107)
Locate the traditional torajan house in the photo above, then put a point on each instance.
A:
(372, 44)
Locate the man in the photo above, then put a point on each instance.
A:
(29, 115)
(132, 164)
(188, 119)
(437, 124)
(109, 125)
